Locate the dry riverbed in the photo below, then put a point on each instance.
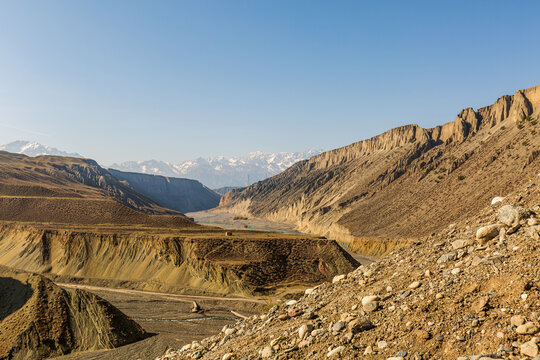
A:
(167, 319)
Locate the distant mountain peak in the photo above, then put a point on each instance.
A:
(32, 148)
(220, 171)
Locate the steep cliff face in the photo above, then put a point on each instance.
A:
(183, 195)
(408, 181)
(256, 263)
(39, 319)
(71, 190)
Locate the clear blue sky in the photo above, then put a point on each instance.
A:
(174, 80)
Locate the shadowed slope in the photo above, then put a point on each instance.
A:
(184, 195)
(40, 319)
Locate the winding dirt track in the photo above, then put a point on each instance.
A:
(175, 297)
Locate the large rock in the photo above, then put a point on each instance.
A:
(486, 233)
(511, 215)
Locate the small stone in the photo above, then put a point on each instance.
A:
(382, 344)
(227, 356)
(527, 329)
(295, 312)
(338, 278)
(459, 244)
(335, 351)
(455, 271)
(439, 296)
(395, 358)
(357, 326)
(414, 285)
(511, 215)
(308, 315)
(446, 257)
(195, 307)
(371, 307)
(480, 304)
(304, 330)
(338, 326)
(517, 320)
(496, 199)
(368, 350)
(532, 222)
(439, 338)
(283, 317)
(487, 233)
(401, 354)
(529, 349)
(405, 294)
(318, 332)
(369, 298)
(267, 352)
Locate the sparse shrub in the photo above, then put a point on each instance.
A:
(503, 127)
(534, 122)
(240, 218)
(412, 140)
(528, 118)
(533, 132)
(525, 143)
(440, 177)
(520, 126)
(443, 169)
(461, 177)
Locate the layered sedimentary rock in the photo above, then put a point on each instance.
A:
(65, 190)
(38, 319)
(406, 182)
(184, 195)
(254, 264)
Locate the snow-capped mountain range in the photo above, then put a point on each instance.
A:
(220, 171)
(32, 148)
(214, 172)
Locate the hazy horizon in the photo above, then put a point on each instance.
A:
(132, 80)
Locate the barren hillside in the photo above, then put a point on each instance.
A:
(470, 292)
(39, 319)
(198, 260)
(184, 195)
(75, 191)
(406, 182)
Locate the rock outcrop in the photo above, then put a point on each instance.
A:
(406, 182)
(38, 319)
(206, 261)
(182, 195)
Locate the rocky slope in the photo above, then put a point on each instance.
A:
(71, 190)
(244, 263)
(39, 319)
(387, 190)
(183, 195)
(221, 171)
(470, 292)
